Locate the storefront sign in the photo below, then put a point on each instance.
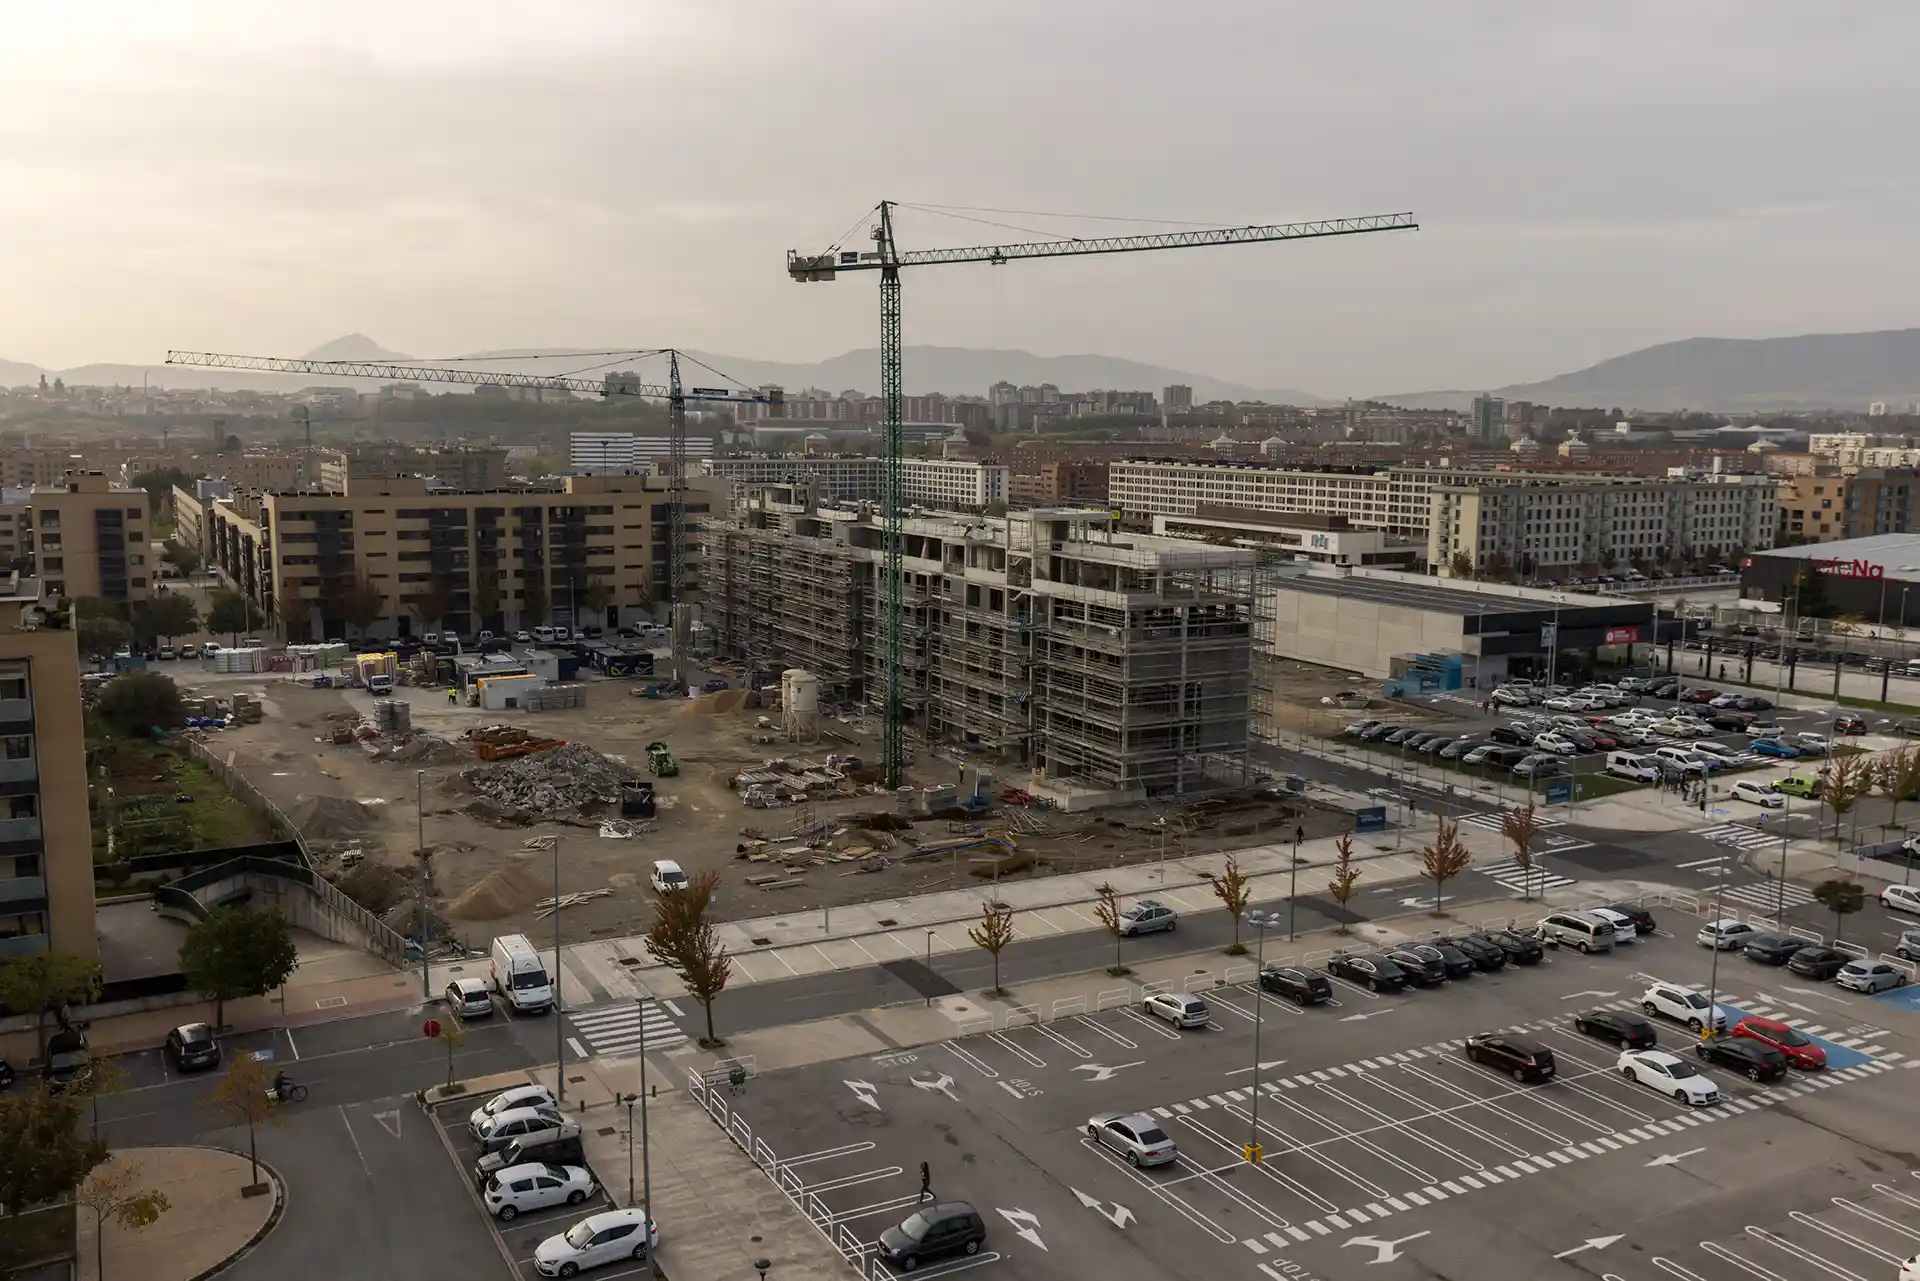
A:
(1622, 635)
(1850, 568)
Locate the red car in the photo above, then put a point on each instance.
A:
(1800, 1052)
(1699, 694)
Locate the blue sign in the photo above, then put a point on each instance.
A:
(1371, 819)
(1559, 791)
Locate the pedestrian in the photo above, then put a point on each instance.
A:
(1299, 834)
(926, 1182)
(453, 695)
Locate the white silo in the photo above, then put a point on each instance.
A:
(800, 700)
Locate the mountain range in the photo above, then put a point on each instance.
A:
(1810, 371)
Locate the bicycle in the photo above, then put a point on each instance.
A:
(292, 1093)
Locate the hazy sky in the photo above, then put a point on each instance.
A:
(452, 177)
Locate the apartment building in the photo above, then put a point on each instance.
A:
(593, 550)
(1829, 505)
(1319, 540)
(839, 478)
(91, 539)
(46, 834)
(1118, 664)
(1059, 483)
(1393, 499)
(453, 466)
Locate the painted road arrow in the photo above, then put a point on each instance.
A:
(1781, 1000)
(1268, 1066)
(1383, 1251)
(1591, 1243)
(1422, 902)
(865, 1091)
(1101, 1072)
(1370, 1014)
(1674, 1158)
(1119, 1216)
(942, 1084)
(1026, 1225)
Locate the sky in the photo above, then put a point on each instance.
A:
(449, 178)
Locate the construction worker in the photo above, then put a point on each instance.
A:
(453, 696)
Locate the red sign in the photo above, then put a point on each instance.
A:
(1622, 635)
(430, 1029)
(1850, 568)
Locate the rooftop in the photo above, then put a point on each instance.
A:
(1411, 591)
(1885, 548)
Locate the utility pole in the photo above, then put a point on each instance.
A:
(420, 889)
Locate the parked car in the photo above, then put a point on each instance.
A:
(1519, 950)
(1485, 954)
(1817, 962)
(1774, 748)
(192, 1047)
(1617, 1026)
(1360, 727)
(933, 1232)
(1748, 1057)
(603, 1238)
(1766, 729)
(1537, 766)
(505, 1126)
(1908, 948)
(1459, 747)
(1870, 976)
(1799, 785)
(1148, 916)
(536, 1186)
(1134, 1135)
(1301, 986)
(470, 998)
(1379, 732)
(1521, 1057)
(1761, 794)
(1900, 898)
(1725, 935)
(1513, 735)
(1784, 1039)
(1456, 963)
(1182, 1009)
(1624, 930)
(520, 1096)
(1772, 949)
(1849, 725)
(1643, 923)
(1683, 1005)
(1370, 970)
(1421, 971)
(1669, 1074)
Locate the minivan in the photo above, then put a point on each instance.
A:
(543, 635)
(1581, 931)
(1681, 759)
(1632, 765)
(517, 975)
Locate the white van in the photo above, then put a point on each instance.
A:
(518, 976)
(543, 635)
(1632, 765)
(1682, 759)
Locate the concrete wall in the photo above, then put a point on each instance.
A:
(324, 911)
(1352, 635)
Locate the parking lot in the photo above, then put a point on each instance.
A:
(1366, 1111)
(519, 1238)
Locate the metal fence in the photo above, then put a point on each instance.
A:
(250, 796)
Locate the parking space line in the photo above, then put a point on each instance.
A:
(1799, 1252)
(1404, 1128)
(1001, 1039)
(854, 1180)
(1083, 916)
(1212, 1179)
(855, 940)
(1541, 1098)
(1165, 1195)
(967, 1057)
(1105, 1031)
(1364, 1144)
(1155, 1024)
(1673, 1269)
(1447, 1116)
(891, 1206)
(1072, 1045)
(1215, 998)
(1862, 1211)
(1352, 987)
(1475, 1100)
(825, 1154)
(1807, 1220)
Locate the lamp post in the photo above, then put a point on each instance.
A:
(1713, 974)
(1780, 894)
(929, 966)
(1293, 879)
(628, 1100)
(1260, 921)
(761, 1266)
(420, 896)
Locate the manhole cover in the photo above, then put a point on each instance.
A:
(763, 942)
(329, 1002)
(576, 1079)
(630, 960)
(886, 922)
(606, 1130)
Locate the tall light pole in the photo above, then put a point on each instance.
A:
(1713, 974)
(1260, 921)
(1293, 882)
(559, 1027)
(420, 896)
(1780, 895)
(646, 1151)
(929, 967)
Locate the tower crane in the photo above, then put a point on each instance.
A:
(674, 393)
(887, 258)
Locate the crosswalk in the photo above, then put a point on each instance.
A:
(617, 1029)
(1534, 881)
(1767, 895)
(1738, 836)
(1493, 822)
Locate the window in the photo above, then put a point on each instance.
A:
(134, 513)
(17, 747)
(52, 564)
(27, 806)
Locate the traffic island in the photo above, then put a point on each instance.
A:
(212, 1217)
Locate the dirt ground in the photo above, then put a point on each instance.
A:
(699, 824)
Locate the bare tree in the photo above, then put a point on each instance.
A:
(1234, 891)
(992, 935)
(1444, 859)
(1106, 909)
(452, 1034)
(114, 1194)
(1346, 877)
(683, 939)
(1522, 828)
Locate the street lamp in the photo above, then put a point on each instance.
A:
(1260, 921)
(1293, 877)
(628, 1100)
(1713, 974)
(420, 899)
(761, 1266)
(929, 968)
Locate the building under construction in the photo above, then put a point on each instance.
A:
(1109, 663)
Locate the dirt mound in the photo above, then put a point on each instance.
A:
(428, 749)
(330, 817)
(719, 704)
(511, 890)
(373, 886)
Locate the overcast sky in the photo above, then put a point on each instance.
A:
(453, 177)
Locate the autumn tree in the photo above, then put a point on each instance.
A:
(1443, 859)
(534, 604)
(182, 557)
(238, 952)
(1521, 827)
(992, 935)
(433, 603)
(113, 1192)
(1849, 780)
(44, 1154)
(242, 1096)
(230, 612)
(452, 1033)
(594, 599)
(42, 982)
(1106, 910)
(164, 617)
(1460, 565)
(486, 605)
(296, 616)
(1897, 775)
(362, 604)
(1346, 877)
(1234, 890)
(1842, 898)
(684, 940)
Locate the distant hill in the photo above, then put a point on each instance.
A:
(353, 347)
(1812, 371)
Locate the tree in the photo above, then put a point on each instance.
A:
(1522, 827)
(1809, 594)
(361, 603)
(43, 1156)
(99, 634)
(1106, 909)
(228, 611)
(1897, 775)
(683, 939)
(486, 605)
(996, 507)
(159, 483)
(1346, 877)
(1445, 858)
(296, 617)
(534, 604)
(1849, 780)
(242, 1092)
(182, 557)
(992, 935)
(1460, 565)
(434, 603)
(594, 599)
(237, 952)
(42, 982)
(165, 617)
(1234, 891)
(138, 702)
(113, 1192)
(1842, 898)
(452, 1034)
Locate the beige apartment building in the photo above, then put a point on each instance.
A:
(91, 538)
(453, 466)
(494, 558)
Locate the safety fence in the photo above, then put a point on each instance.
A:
(249, 795)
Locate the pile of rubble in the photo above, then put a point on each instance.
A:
(564, 781)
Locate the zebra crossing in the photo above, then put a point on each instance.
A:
(611, 1030)
(1535, 881)
(1768, 895)
(1494, 822)
(1738, 836)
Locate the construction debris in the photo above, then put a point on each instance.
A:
(617, 829)
(330, 817)
(507, 892)
(564, 781)
(547, 906)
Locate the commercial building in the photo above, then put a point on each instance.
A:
(91, 539)
(46, 835)
(1489, 418)
(1872, 577)
(411, 557)
(1116, 666)
(596, 453)
(452, 466)
(1319, 540)
(945, 484)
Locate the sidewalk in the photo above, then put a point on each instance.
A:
(207, 1222)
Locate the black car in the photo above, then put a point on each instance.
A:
(1519, 949)
(1438, 744)
(1849, 725)
(1734, 722)
(1629, 1031)
(1513, 735)
(1642, 919)
(1524, 1059)
(1399, 736)
(69, 1064)
(933, 1232)
(1752, 1059)
(1379, 732)
(1772, 949)
(1370, 970)
(1459, 747)
(1421, 971)
(1457, 964)
(1484, 953)
(192, 1046)
(1302, 987)
(1817, 962)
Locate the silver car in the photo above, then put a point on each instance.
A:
(1147, 916)
(1134, 1135)
(1870, 976)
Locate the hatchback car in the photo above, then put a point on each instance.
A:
(1643, 923)
(1370, 970)
(1485, 954)
(1900, 898)
(470, 998)
(601, 1238)
(1817, 962)
(1182, 1009)
(1784, 1037)
(1459, 747)
(1760, 794)
(1670, 1074)
(1520, 950)
(1523, 1059)
(1683, 1005)
(1617, 1026)
(1870, 976)
(1624, 928)
(1725, 935)
(1134, 1135)
(517, 1189)
(522, 1123)
(1302, 987)
(520, 1096)
(1908, 948)
(1748, 1057)
(933, 1232)
(1457, 964)
(1775, 748)
(1772, 949)
(192, 1047)
(1147, 917)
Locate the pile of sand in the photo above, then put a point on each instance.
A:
(719, 704)
(328, 818)
(511, 890)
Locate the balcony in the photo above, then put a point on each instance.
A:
(15, 710)
(15, 890)
(19, 829)
(22, 945)
(19, 771)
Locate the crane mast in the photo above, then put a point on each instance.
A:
(887, 259)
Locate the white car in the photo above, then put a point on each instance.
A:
(1683, 1005)
(1765, 729)
(599, 1238)
(520, 1096)
(667, 876)
(1671, 729)
(1669, 1074)
(523, 637)
(1726, 935)
(1758, 794)
(517, 1189)
(1624, 930)
(1901, 898)
(1910, 1270)
(1512, 697)
(1551, 742)
(1563, 704)
(1178, 1008)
